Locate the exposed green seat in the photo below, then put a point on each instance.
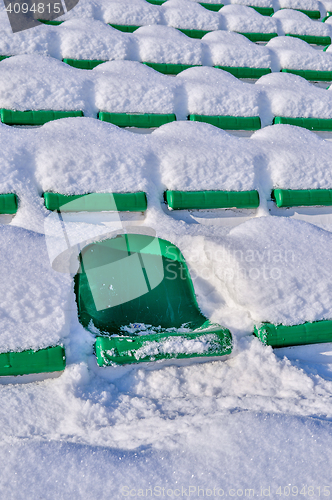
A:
(8, 203)
(313, 14)
(50, 23)
(323, 124)
(82, 63)
(328, 14)
(314, 40)
(96, 202)
(259, 37)
(264, 11)
(11, 117)
(146, 120)
(200, 200)
(169, 69)
(302, 197)
(212, 6)
(285, 336)
(230, 122)
(135, 280)
(3, 57)
(194, 33)
(311, 75)
(241, 72)
(47, 360)
(124, 29)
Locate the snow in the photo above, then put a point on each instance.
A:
(187, 14)
(212, 91)
(297, 23)
(293, 53)
(232, 49)
(130, 12)
(246, 20)
(299, 4)
(250, 3)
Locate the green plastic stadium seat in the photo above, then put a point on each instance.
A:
(259, 37)
(96, 202)
(205, 200)
(313, 14)
(47, 360)
(194, 33)
(302, 197)
(313, 40)
(147, 120)
(133, 282)
(311, 75)
(323, 124)
(285, 336)
(8, 203)
(124, 29)
(169, 69)
(11, 117)
(82, 63)
(230, 122)
(241, 72)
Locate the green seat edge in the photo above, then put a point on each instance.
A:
(35, 117)
(51, 359)
(229, 122)
(245, 72)
(323, 124)
(121, 349)
(169, 68)
(200, 200)
(285, 336)
(302, 197)
(126, 202)
(8, 203)
(143, 120)
(311, 75)
(315, 40)
(82, 63)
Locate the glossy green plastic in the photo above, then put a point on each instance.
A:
(230, 122)
(194, 33)
(124, 29)
(50, 23)
(169, 69)
(328, 14)
(323, 124)
(40, 117)
(302, 197)
(8, 203)
(154, 347)
(147, 120)
(47, 360)
(156, 2)
(96, 202)
(205, 200)
(264, 11)
(212, 6)
(3, 57)
(311, 75)
(313, 14)
(285, 336)
(259, 37)
(239, 72)
(82, 63)
(314, 40)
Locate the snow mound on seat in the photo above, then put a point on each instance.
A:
(163, 44)
(34, 298)
(130, 12)
(297, 23)
(186, 14)
(293, 53)
(197, 156)
(299, 4)
(280, 270)
(212, 91)
(232, 49)
(246, 20)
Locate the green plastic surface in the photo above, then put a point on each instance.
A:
(200, 200)
(3, 57)
(96, 202)
(302, 197)
(245, 72)
(11, 117)
(125, 29)
(83, 63)
(169, 69)
(230, 122)
(8, 203)
(156, 2)
(212, 6)
(50, 23)
(125, 350)
(285, 336)
(313, 14)
(47, 360)
(194, 33)
(309, 123)
(264, 11)
(316, 76)
(134, 280)
(147, 120)
(259, 37)
(314, 40)
(328, 14)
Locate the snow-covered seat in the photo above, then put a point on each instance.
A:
(248, 22)
(296, 24)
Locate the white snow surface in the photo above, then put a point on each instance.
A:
(246, 20)
(34, 298)
(297, 23)
(190, 15)
(299, 4)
